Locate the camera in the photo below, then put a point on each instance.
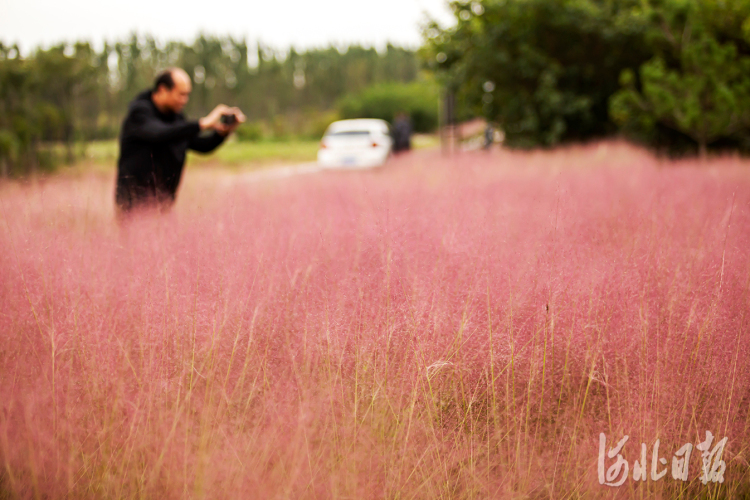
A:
(229, 119)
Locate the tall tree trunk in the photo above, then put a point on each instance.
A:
(702, 150)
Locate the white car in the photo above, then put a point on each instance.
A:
(355, 143)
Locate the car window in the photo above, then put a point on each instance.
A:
(349, 133)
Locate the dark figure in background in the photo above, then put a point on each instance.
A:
(489, 136)
(401, 133)
(155, 137)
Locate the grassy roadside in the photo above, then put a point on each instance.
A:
(101, 156)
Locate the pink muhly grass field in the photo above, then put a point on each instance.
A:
(444, 327)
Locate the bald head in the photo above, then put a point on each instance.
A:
(171, 90)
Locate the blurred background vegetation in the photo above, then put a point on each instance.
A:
(55, 102)
(672, 74)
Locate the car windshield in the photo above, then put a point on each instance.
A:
(349, 133)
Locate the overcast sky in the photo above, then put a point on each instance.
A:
(301, 23)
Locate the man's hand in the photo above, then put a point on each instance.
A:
(213, 119)
(228, 129)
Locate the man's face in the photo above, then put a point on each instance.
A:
(176, 98)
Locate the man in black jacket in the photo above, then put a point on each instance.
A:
(155, 137)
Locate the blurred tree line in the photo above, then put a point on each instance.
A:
(72, 93)
(418, 99)
(674, 74)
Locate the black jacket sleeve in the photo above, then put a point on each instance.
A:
(206, 144)
(147, 127)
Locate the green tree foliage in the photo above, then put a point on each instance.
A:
(417, 99)
(43, 98)
(72, 93)
(542, 69)
(673, 73)
(698, 83)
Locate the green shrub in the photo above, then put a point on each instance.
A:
(281, 129)
(317, 124)
(418, 99)
(9, 148)
(250, 132)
